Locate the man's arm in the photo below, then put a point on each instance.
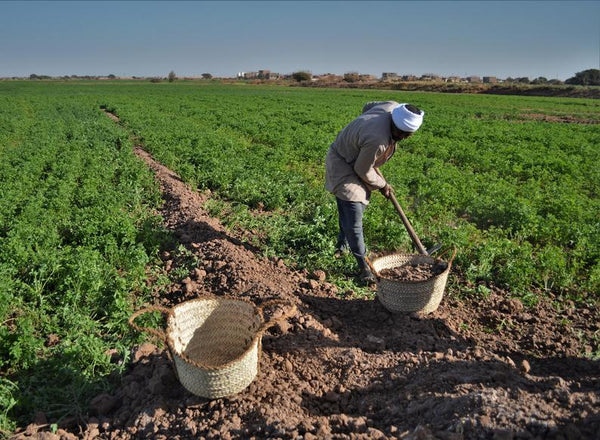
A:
(387, 189)
(363, 166)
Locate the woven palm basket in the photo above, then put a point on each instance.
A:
(410, 296)
(215, 342)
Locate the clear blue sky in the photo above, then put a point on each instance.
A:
(554, 39)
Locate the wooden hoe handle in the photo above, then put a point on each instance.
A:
(407, 225)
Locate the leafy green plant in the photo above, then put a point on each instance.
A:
(8, 390)
(76, 236)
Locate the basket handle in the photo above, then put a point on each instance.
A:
(291, 311)
(158, 333)
(372, 267)
(445, 252)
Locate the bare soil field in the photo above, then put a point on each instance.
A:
(565, 91)
(567, 119)
(344, 367)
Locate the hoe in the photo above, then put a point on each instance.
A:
(411, 231)
(409, 228)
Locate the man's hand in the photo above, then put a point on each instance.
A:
(386, 191)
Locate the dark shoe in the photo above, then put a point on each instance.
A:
(367, 277)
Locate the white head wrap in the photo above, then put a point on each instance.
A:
(406, 120)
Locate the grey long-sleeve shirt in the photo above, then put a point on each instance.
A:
(362, 146)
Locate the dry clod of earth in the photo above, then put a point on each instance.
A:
(319, 275)
(349, 369)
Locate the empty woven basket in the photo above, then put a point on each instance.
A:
(410, 296)
(215, 342)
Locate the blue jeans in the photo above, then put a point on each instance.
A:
(350, 216)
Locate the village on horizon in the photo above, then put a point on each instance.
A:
(306, 75)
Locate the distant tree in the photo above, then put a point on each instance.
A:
(33, 76)
(172, 77)
(206, 76)
(111, 76)
(155, 80)
(540, 80)
(555, 82)
(302, 76)
(590, 77)
(351, 77)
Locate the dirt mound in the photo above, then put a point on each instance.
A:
(347, 368)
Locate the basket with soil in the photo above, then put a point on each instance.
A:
(411, 283)
(215, 342)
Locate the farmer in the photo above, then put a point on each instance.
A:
(351, 168)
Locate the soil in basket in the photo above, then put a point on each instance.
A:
(413, 272)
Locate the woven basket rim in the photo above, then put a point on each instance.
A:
(223, 299)
(412, 256)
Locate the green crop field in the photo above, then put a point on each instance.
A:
(76, 235)
(517, 197)
(503, 179)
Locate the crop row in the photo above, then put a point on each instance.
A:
(76, 237)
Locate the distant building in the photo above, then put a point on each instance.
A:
(328, 77)
(386, 76)
(409, 78)
(367, 78)
(430, 77)
(264, 74)
(453, 79)
(261, 74)
(490, 79)
(474, 79)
